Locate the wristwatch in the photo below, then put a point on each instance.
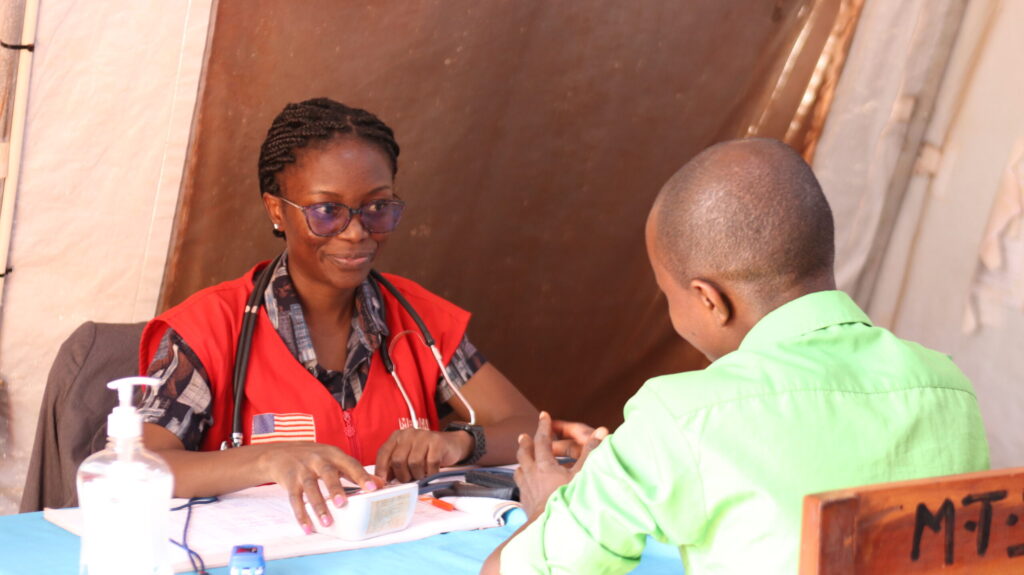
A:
(479, 441)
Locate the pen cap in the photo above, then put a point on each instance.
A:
(124, 422)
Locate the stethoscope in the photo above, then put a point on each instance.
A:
(249, 319)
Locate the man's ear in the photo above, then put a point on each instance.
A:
(712, 298)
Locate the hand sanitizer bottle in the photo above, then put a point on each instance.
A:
(125, 495)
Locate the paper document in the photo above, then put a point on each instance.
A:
(263, 516)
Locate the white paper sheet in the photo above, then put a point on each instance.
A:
(263, 516)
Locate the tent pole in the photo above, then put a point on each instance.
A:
(10, 185)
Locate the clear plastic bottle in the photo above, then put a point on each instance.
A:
(125, 492)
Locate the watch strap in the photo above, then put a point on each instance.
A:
(479, 440)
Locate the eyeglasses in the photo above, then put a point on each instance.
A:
(330, 219)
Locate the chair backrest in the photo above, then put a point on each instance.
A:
(73, 414)
(970, 523)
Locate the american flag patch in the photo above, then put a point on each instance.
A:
(272, 427)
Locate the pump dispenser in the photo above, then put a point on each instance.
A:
(125, 495)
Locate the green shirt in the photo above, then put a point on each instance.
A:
(718, 461)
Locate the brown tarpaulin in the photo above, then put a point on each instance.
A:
(534, 138)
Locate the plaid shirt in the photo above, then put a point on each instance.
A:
(182, 402)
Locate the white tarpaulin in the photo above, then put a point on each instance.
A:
(113, 88)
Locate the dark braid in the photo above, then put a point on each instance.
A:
(317, 119)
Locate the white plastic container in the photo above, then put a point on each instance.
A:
(372, 513)
(125, 495)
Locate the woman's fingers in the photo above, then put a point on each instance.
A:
(299, 510)
(354, 471)
(330, 476)
(400, 461)
(384, 455)
(311, 490)
(416, 459)
(435, 453)
(307, 471)
(411, 454)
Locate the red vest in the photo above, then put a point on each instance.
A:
(283, 401)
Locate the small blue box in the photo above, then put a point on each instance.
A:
(247, 560)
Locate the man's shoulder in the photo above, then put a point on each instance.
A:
(876, 363)
(690, 391)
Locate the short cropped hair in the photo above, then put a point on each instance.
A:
(746, 211)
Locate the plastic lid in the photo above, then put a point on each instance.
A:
(124, 422)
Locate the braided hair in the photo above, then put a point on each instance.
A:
(317, 119)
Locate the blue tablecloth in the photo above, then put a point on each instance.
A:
(29, 545)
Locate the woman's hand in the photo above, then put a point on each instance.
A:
(301, 467)
(539, 473)
(416, 453)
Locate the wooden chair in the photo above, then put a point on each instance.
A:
(970, 523)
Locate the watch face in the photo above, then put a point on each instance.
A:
(457, 425)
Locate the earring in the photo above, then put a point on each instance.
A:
(276, 228)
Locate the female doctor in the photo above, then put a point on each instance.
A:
(339, 373)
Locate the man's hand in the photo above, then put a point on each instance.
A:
(416, 453)
(572, 436)
(301, 466)
(539, 473)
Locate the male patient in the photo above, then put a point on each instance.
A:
(803, 394)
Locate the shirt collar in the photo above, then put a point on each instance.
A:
(368, 322)
(370, 309)
(803, 315)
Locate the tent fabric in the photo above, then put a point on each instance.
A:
(534, 138)
(869, 146)
(12, 15)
